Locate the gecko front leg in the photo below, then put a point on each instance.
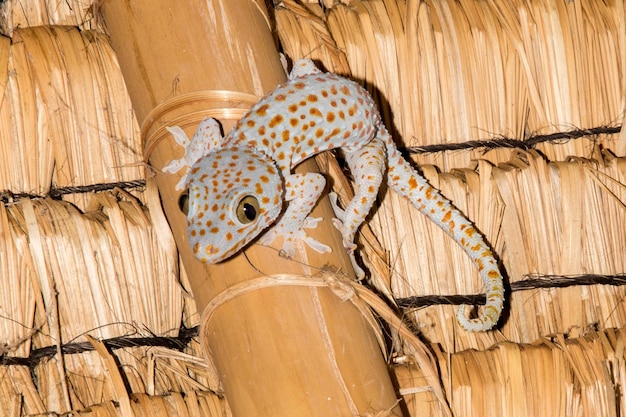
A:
(208, 136)
(302, 192)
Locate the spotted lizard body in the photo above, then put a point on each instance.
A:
(238, 184)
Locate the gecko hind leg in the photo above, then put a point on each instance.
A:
(367, 165)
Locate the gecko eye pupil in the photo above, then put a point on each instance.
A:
(247, 209)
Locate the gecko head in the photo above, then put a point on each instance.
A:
(234, 194)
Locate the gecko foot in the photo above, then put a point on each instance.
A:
(338, 222)
(348, 244)
(293, 237)
(340, 213)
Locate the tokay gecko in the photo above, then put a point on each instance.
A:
(237, 184)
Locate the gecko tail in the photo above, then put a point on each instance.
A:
(474, 244)
(430, 202)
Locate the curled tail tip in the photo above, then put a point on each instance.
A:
(492, 310)
(486, 321)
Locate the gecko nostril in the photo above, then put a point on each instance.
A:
(248, 209)
(183, 202)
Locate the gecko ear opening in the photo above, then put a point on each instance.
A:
(183, 201)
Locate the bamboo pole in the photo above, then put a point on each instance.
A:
(284, 350)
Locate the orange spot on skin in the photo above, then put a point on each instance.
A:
(446, 217)
(319, 132)
(229, 236)
(299, 85)
(479, 264)
(262, 110)
(292, 108)
(285, 136)
(312, 98)
(250, 123)
(330, 117)
(412, 183)
(334, 132)
(275, 121)
(315, 112)
(493, 274)
(280, 97)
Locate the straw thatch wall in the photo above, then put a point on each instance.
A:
(513, 109)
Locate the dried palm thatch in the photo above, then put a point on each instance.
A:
(84, 262)
(512, 109)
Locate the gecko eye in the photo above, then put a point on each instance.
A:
(247, 209)
(183, 202)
